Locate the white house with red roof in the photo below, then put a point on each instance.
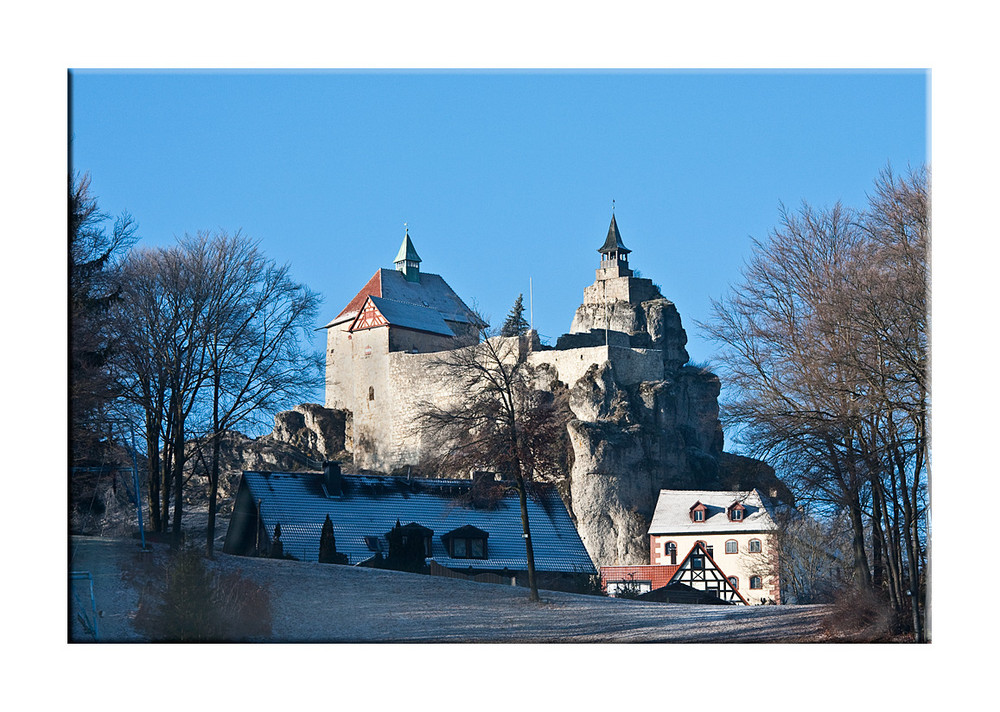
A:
(736, 529)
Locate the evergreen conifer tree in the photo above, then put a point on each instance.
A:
(515, 325)
(277, 548)
(328, 545)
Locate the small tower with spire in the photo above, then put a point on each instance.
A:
(615, 280)
(407, 260)
(614, 254)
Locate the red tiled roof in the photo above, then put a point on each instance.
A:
(372, 289)
(658, 575)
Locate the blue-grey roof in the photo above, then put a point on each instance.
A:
(431, 291)
(371, 505)
(411, 316)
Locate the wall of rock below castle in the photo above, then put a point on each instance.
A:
(631, 441)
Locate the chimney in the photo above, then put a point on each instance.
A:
(480, 475)
(331, 478)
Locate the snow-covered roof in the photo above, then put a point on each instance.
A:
(371, 505)
(673, 512)
(411, 316)
(431, 292)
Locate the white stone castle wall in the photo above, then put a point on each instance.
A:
(631, 366)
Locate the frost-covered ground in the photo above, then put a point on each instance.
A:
(326, 603)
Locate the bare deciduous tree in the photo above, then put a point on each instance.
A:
(212, 330)
(825, 350)
(498, 421)
(256, 361)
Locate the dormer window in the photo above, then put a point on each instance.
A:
(737, 512)
(413, 531)
(698, 512)
(466, 542)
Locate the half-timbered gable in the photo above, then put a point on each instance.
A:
(699, 571)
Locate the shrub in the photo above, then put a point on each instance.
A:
(862, 616)
(629, 589)
(195, 606)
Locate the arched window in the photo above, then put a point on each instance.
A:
(755, 582)
(734, 581)
(732, 547)
(670, 549)
(754, 546)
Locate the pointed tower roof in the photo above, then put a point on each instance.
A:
(614, 242)
(407, 253)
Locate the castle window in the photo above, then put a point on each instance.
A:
(754, 546)
(732, 547)
(371, 393)
(755, 582)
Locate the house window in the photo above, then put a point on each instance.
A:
(736, 515)
(755, 582)
(732, 547)
(629, 587)
(468, 548)
(754, 547)
(699, 515)
(697, 562)
(467, 542)
(735, 582)
(371, 393)
(670, 549)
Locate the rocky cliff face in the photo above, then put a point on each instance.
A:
(302, 439)
(630, 441)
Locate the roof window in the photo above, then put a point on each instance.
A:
(698, 512)
(467, 542)
(737, 512)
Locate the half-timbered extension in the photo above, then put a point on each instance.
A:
(698, 570)
(735, 529)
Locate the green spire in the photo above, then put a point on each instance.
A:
(407, 253)
(407, 260)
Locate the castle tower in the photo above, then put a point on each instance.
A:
(407, 260)
(614, 254)
(615, 281)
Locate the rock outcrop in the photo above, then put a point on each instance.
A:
(631, 439)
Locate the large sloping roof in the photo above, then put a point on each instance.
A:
(673, 512)
(371, 505)
(431, 292)
(411, 316)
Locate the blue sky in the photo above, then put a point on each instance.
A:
(504, 178)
